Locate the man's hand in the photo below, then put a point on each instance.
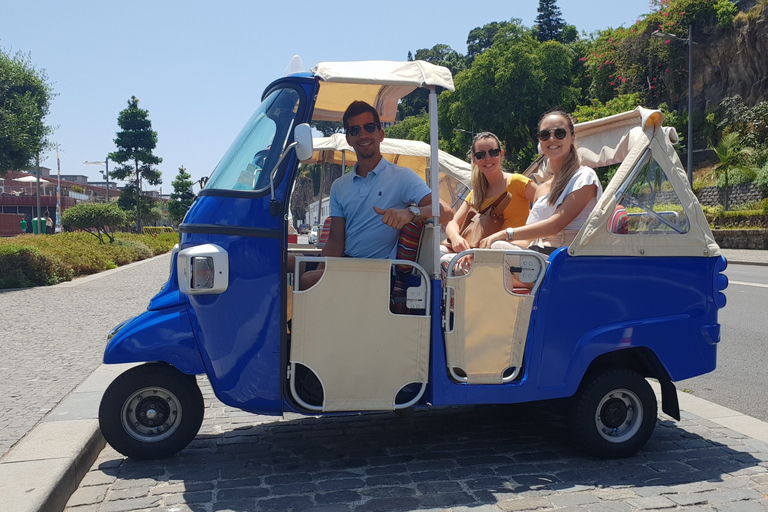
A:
(394, 217)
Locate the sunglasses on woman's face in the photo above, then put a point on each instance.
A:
(354, 131)
(559, 134)
(480, 155)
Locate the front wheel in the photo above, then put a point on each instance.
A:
(151, 411)
(614, 413)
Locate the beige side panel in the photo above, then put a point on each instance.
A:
(490, 324)
(342, 329)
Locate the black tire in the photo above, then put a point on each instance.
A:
(151, 411)
(614, 413)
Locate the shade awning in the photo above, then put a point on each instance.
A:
(31, 179)
(378, 83)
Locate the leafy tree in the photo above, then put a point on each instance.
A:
(417, 102)
(751, 123)
(509, 86)
(328, 128)
(24, 102)
(181, 197)
(481, 38)
(732, 158)
(549, 22)
(98, 219)
(135, 143)
(127, 201)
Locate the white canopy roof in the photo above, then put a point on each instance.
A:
(31, 179)
(407, 153)
(378, 83)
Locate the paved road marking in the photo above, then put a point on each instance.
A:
(759, 285)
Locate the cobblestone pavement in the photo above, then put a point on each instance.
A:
(478, 459)
(53, 337)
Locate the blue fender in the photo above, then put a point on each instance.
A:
(160, 335)
(680, 350)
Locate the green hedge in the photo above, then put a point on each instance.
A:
(39, 260)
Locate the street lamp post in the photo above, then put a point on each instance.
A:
(461, 130)
(690, 43)
(103, 173)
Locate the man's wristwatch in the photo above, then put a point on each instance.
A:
(510, 234)
(415, 211)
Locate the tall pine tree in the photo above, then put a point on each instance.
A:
(135, 143)
(549, 22)
(181, 197)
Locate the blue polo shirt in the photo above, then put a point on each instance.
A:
(353, 198)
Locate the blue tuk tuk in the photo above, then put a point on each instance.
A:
(634, 296)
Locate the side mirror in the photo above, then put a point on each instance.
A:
(302, 134)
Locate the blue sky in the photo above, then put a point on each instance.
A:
(199, 68)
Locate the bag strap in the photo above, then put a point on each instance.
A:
(503, 198)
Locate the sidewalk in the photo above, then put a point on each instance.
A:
(745, 257)
(715, 458)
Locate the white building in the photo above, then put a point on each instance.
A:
(325, 211)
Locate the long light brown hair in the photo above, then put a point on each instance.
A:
(571, 164)
(479, 181)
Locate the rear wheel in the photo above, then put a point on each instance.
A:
(151, 411)
(614, 413)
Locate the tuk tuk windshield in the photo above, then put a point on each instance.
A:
(254, 153)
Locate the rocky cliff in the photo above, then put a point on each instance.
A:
(727, 63)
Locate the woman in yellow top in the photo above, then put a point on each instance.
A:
(488, 183)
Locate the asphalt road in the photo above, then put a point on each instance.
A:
(739, 382)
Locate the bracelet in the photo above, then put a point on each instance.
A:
(510, 234)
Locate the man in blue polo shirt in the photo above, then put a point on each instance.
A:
(370, 204)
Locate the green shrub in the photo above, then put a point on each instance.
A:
(712, 212)
(33, 260)
(761, 179)
(127, 251)
(736, 176)
(23, 267)
(726, 11)
(158, 244)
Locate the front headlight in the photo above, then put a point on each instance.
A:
(203, 269)
(116, 328)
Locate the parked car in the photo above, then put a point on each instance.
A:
(625, 302)
(303, 229)
(313, 235)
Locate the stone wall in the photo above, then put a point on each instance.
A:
(741, 238)
(739, 194)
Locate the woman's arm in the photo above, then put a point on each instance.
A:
(530, 191)
(573, 204)
(452, 229)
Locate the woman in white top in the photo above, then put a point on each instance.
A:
(562, 204)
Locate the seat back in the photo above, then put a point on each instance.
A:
(322, 237)
(619, 222)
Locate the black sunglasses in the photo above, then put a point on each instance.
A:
(354, 131)
(559, 133)
(480, 155)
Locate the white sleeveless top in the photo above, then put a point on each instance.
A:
(542, 210)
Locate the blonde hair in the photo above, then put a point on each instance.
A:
(571, 164)
(479, 181)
